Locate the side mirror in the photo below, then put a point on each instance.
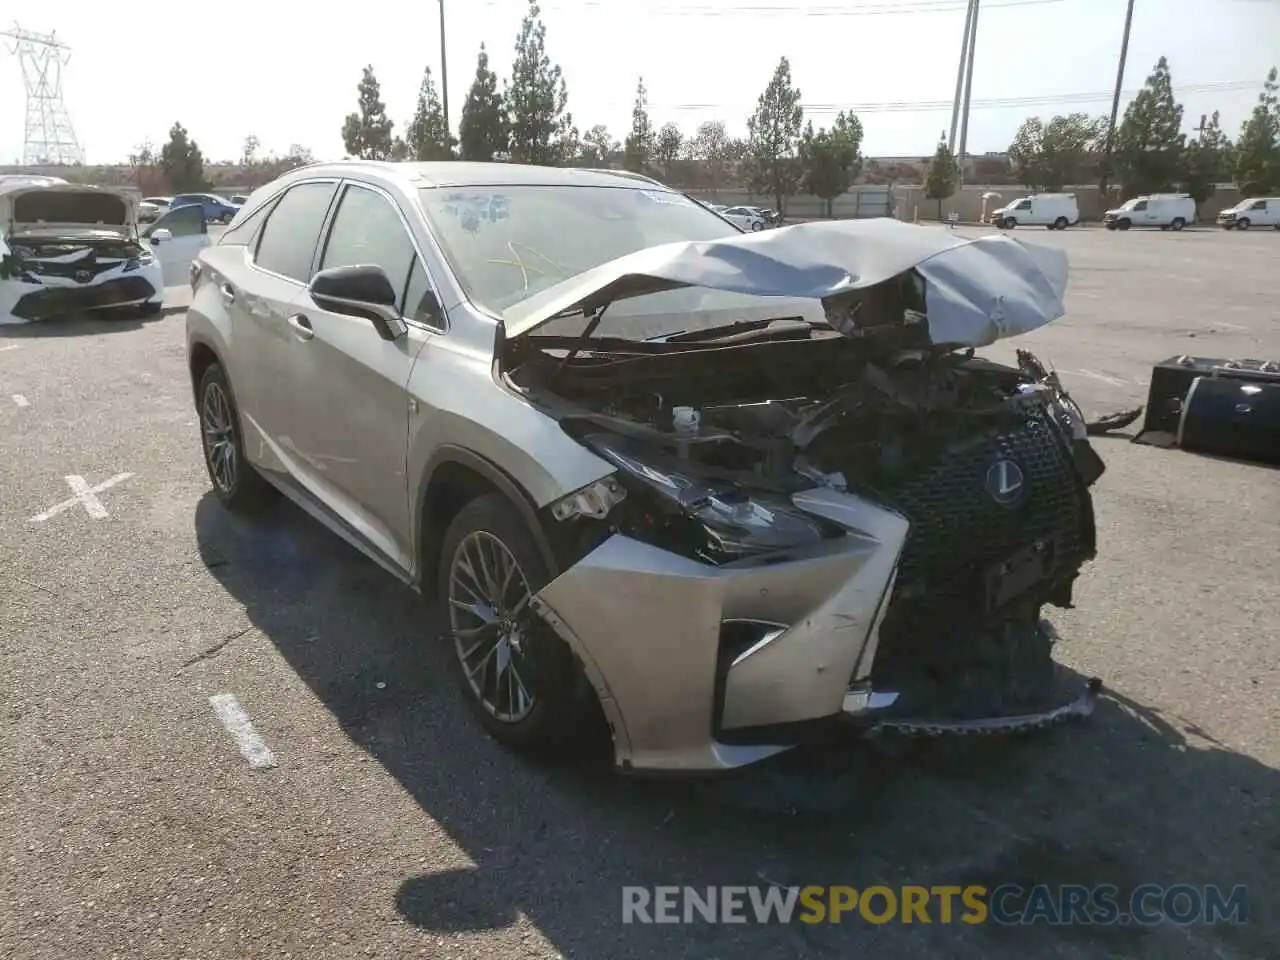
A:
(160, 236)
(363, 291)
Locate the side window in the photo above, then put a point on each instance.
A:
(288, 240)
(242, 234)
(1024, 205)
(182, 222)
(1260, 205)
(419, 302)
(1140, 205)
(368, 230)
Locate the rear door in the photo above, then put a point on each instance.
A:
(188, 235)
(350, 423)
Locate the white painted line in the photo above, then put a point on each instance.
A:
(1093, 374)
(237, 723)
(85, 495)
(20, 400)
(12, 346)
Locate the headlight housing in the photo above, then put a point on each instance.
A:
(711, 521)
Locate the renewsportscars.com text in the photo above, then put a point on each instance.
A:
(1008, 904)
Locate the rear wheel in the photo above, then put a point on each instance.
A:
(1060, 223)
(235, 482)
(517, 675)
(756, 225)
(1178, 223)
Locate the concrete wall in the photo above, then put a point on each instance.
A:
(860, 201)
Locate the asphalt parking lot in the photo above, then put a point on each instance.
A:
(383, 824)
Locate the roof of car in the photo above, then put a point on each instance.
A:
(459, 173)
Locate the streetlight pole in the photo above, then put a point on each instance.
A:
(444, 83)
(1115, 106)
(968, 93)
(964, 56)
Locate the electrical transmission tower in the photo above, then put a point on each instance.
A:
(49, 137)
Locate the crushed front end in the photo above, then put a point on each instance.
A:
(813, 528)
(42, 278)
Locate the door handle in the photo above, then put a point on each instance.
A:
(228, 292)
(301, 327)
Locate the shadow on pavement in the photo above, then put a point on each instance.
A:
(1133, 797)
(84, 324)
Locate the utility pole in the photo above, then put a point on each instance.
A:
(964, 56)
(968, 94)
(1115, 106)
(444, 83)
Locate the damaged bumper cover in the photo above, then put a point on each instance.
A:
(704, 668)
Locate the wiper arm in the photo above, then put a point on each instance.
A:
(734, 329)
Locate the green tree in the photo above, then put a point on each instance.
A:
(710, 147)
(181, 162)
(426, 136)
(774, 135)
(942, 175)
(568, 147)
(831, 158)
(597, 146)
(638, 148)
(249, 153)
(1149, 144)
(536, 98)
(666, 148)
(1053, 155)
(1257, 158)
(367, 132)
(483, 132)
(1208, 158)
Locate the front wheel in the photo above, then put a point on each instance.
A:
(1242, 223)
(1124, 224)
(235, 482)
(1010, 223)
(517, 675)
(757, 225)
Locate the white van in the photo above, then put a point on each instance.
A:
(1168, 211)
(1057, 211)
(1254, 212)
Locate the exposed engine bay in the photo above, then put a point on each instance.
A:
(77, 258)
(990, 464)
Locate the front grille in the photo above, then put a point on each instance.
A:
(60, 301)
(958, 529)
(84, 270)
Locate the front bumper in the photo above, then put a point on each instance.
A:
(702, 668)
(48, 302)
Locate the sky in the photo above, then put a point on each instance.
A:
(263, 67)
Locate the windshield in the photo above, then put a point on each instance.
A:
(1132, 204)
(505, 243)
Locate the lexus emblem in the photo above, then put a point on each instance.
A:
(83, 276)
(1005, 482)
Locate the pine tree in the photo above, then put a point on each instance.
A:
(425, 136)
(638, 148)
(774, 137)
(1257, 161)
(942, 175)
(536, 97)
(483, 133)
(367, 133)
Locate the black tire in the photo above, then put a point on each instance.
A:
(1242, 223)
(1061, 223)
(756, 225)
(1110, 226)
(1123, 224)
(236, 483)
(150, 309)
(564, 710)
(1178, 223)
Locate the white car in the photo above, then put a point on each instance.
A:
(150, 208)
(1057, 211)
(67, 248)
(1251, 212)
(1168, 211)
(745, 217)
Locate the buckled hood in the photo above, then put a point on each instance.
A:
(28, 207)
(977, 290)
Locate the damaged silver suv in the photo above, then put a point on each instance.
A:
(729, 491)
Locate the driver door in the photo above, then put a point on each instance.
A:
(188, 234)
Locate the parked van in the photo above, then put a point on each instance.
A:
(1254, 212)
(1168, 211)
(1057, 211)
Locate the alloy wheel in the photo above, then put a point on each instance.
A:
(219, 437)
(488, 595)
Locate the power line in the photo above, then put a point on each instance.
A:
(878, 9)
(934, 106)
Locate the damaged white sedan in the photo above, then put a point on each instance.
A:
(68, 248)
(729, 492)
